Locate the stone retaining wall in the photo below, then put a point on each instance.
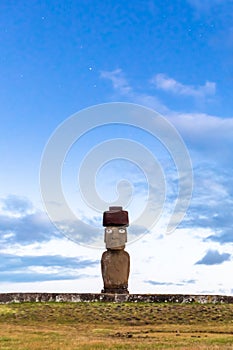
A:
(6, 298)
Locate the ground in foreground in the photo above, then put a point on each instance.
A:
(69, 326)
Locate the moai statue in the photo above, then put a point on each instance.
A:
(115, 261)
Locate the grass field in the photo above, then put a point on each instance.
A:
(61, 326)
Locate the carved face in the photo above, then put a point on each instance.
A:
(115, 237)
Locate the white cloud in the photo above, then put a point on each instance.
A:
(165, 83)
(203, 124)
(208, 137)
(173, 257)
(124, 90)
(87, 284)
(199, 129)
(118, 80)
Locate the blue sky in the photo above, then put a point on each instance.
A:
(59, 57)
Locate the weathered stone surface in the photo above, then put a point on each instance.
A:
(115, 208)
(115, 237)
(115, 265)
(115, 218)
(6, 298)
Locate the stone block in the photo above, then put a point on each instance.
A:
(115, 266)
(115, 218)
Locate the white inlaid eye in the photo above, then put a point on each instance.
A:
(122, 230)
(109, 230)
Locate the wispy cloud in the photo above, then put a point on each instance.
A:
(118, 80)
(124, 90)
(24, 231)
(224, 236)
(156, 283)
(210, 134)
(182, 283)
(21, 222)
(209, 138)
(16, 205)
(26, 228)
(212, 202)
(213, 257)
(168, 84)
(41, 268)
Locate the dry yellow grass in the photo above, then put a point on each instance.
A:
(115, 326)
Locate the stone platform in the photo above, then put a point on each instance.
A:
(6, 298)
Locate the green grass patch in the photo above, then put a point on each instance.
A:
(108, 326)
